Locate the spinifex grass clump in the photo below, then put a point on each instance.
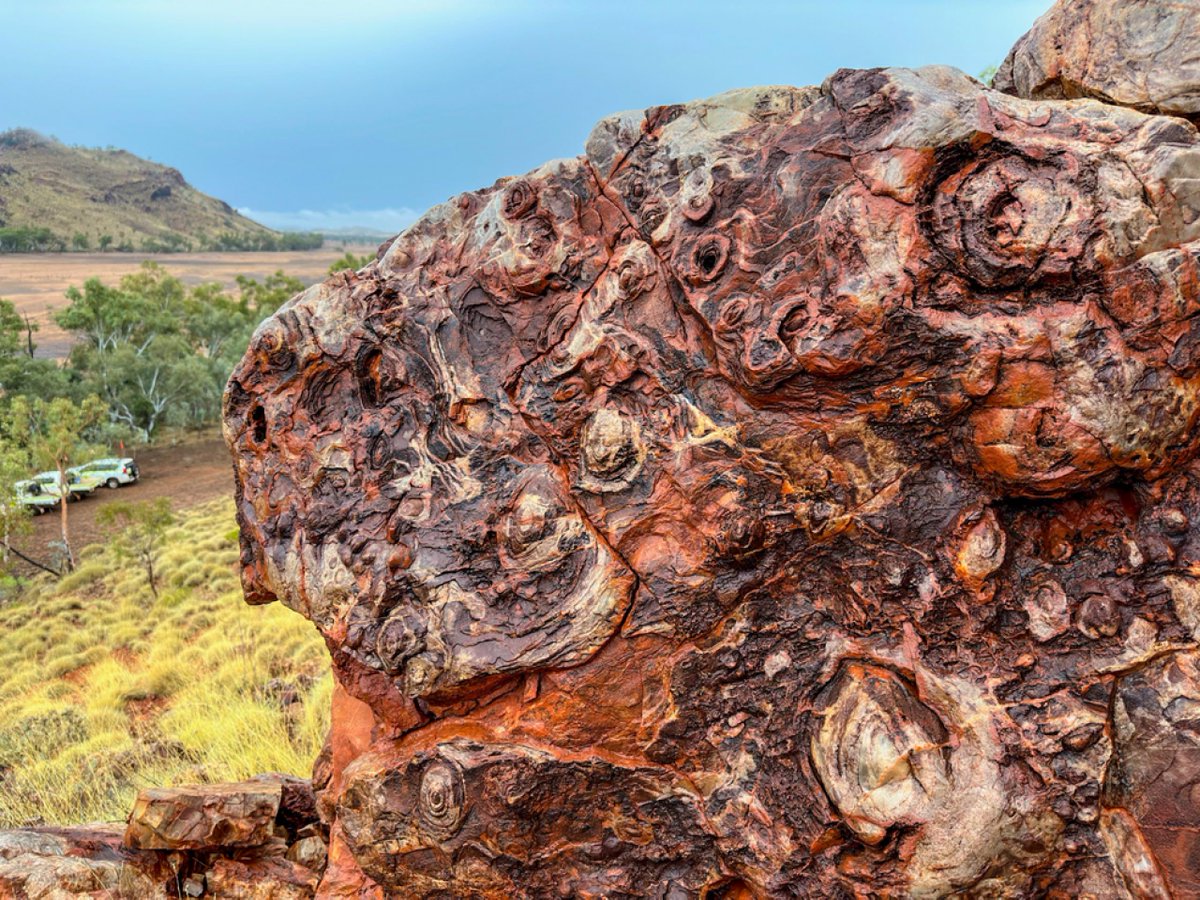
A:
(105, 689)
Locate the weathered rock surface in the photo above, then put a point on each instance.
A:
(792, 496)
(88, 861)
(204, 816)
(269, 879)
(1139, 53)
(257, 840)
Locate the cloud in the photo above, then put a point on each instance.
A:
(386, 220)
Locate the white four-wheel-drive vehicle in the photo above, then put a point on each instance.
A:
(111, 471)
(76, 488)
(35, 496)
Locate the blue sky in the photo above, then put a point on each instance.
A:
(365, 112)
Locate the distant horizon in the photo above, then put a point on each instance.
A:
(347, 221)
(302, 120)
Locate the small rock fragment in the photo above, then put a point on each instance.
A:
(309, 852)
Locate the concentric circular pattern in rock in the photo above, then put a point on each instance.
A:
(441, 802)
(792, 496)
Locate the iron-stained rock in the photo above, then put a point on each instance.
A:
(791, 496)
(1144, 54)
(204, 817)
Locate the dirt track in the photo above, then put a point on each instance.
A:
(186, 474)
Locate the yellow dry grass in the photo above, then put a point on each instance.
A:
(104, 690)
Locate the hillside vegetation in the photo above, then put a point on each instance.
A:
(105, 689)
(58, 197)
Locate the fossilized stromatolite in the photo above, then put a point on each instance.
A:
(793, 496)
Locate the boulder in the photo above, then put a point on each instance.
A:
(297, 802)
(1154, 776)
(214, 840)
(1143, 54)
(204, 817)
(792, 495)
(311, 852)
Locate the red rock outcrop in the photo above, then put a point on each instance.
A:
(204, 816)
(792, 496)
(1139, 53)
(256, 840)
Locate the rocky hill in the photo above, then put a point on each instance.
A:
(58, 197)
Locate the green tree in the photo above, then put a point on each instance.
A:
(102, 316)
(214, 322)
(350, 261)
(154, 350)
(144, 386)
(147, 303)
(263, 299)
(54, 435)
(104, 242)
(37, 378)
(143, 528)
(142, 346)
(20, 373)
(14, 518)
(80, 241)
(265, 240)
(28, 239)
(12, 329)
(162, 296)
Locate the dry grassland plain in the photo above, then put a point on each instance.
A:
(36, 282)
